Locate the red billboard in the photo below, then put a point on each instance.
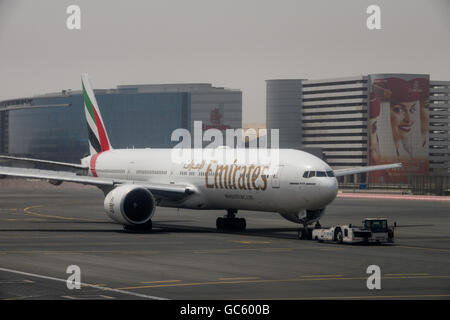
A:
(398, 125)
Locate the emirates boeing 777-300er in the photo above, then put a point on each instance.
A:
(298, 185)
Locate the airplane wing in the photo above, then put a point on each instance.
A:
(159, 190)
(64, 164)
(347, 171)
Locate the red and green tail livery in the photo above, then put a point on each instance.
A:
(98, 138)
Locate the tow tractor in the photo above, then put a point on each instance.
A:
(374, 230)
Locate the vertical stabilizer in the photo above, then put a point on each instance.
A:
(98, 137)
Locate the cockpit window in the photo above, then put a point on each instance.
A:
(310, 174)
(321, 174)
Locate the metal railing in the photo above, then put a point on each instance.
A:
(418, 185)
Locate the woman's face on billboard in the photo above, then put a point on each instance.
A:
(402, 119)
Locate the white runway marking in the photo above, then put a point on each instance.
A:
(15, 281)
(87, 297)
(139, 295)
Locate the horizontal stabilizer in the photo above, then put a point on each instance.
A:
(64, 164)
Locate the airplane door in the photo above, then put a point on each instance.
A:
(131, 170)
(172, 174)
(275, 181)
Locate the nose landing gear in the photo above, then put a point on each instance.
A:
(230, 222)
(304, 233)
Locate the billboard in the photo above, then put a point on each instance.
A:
(398, 125)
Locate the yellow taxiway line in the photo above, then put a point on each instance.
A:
(357, 297)
(277, 280)
(28, 211)
(161, 281)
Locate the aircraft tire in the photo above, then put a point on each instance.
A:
(146, 227)
(231, 224)
(220, 223)
(241, 224)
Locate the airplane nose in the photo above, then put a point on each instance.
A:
(329, 190)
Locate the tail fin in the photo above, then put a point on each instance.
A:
(98, 138)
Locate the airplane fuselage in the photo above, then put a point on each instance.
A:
(227, 184)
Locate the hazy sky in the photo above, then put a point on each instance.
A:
(230, 43)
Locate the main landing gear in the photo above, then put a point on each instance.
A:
(230, 222)
(142, 228)
(305, 233)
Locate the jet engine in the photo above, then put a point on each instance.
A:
(130, 205)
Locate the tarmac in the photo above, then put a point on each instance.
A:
(44, 229)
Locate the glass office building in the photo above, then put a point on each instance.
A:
(53, 126)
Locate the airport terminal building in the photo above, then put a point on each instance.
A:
(366, 120)
(53, 126)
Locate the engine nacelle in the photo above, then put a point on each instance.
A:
(130, 205)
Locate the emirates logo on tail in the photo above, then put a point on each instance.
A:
(98, 138)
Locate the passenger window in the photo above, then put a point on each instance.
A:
(305, 174)
(321, 174)
(330, 173)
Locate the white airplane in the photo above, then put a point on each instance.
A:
(299, 187)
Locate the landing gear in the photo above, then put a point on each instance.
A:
(304, 233)
(230, 222)
(146, 227)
